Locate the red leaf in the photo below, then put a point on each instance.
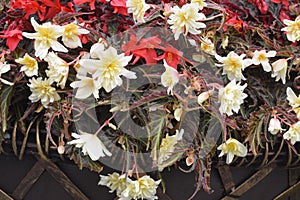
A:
(119, 6)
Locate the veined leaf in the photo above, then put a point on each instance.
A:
(5, 99)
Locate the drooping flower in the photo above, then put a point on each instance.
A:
(208, 46)
(169, 78)
(232, 147)
(274, 126)
(233, 64)
(30, 65)
(262, 57)
(91, 145)
(294, 101)
(42, 90)
(143, 188)
(279, 70)
(71, 35)
(201, 3)
(231, 97)
(186, 20)
(167, 147)
(115, 182)
(86, 86)
(203, 97)
(293, 134)
(58, 69)
(45, 38)
(108, 68)
(293, 29)
(178, 112)
(138, 9)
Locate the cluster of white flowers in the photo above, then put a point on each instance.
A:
(292, 29)
(231, 148)
(127, 189)
(138, 9)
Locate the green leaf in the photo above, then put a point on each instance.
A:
(5, 99)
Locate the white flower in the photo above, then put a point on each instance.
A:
(233, 65)
(115, 182)
(201, 3)
(42, 90)
(293, 134)
(178, 112)
(203, 97)
(274, 126)
(58, 69)
(261, 57)
(294, 101)
(86, 86)
(71, 35)
(279, 70)
(169, 78)
(108, 69)
(143, 188)
(232, 147)
(231, 97)
(45, 38)
(30, 65)
(292, 29)
(91, 145)
(208, 46)
(4, 67)
(167, 147)
(186, 20)
(138, 9)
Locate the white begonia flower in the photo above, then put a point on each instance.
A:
(186, 20)
(231, 97)
(138, 9)
(115, 182)
(178, 112)
(262, 57)
(169, 78)
(279, 70)
(233, 64)
(274, 126)
(91, 145)
(42, 90)
(203, 97)
(232, 147)
(294, 101)
(292, 29)
(45, 38)
(143, 188)
(71, 35)
(208, 46)
(167, 147)
(4, 67)
(107, 70)
(201, 3)
(30, 65)
(86, 86)
(293, 134)
(58, 69)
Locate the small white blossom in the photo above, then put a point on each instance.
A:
(203, 97)
(115, 182)
(186, 19)
(232, 147)
(294, 101)
(45, 38)
(42, 90)
(71, 35)
(169, 78)
(233, 64)
(231, 97)
(293, 134)
(274, 126)
(279, 70)
(293, 29)
(138, 9)
(30, 65)
(208, 46)
(91, 145)
(201, 3)
(4, 67)
(86, 86)
(262, 57)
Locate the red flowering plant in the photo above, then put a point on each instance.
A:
(144, 85)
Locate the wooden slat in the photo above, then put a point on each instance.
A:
(289, 192)
(249, 183)
(4, 196)
(27, 182)
(293, 178)
(63, 179)
(226, 177)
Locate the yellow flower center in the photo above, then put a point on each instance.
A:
(231, 147)
(233, 63)
(262, 57)
(29, 62)
(70, 30)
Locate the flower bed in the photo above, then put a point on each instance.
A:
(140, 86)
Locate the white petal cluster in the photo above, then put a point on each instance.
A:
(115, 182)
(280, 69)
(30, 65)
(138, 9)
(186, 19)
(233, 64)
(292, 29)
(294, 101)
(274, 126)
(262, 57)
(169, 78)
(231, 97)
(232, 147)
(293, 134)
(91, 145)
(71, 35)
